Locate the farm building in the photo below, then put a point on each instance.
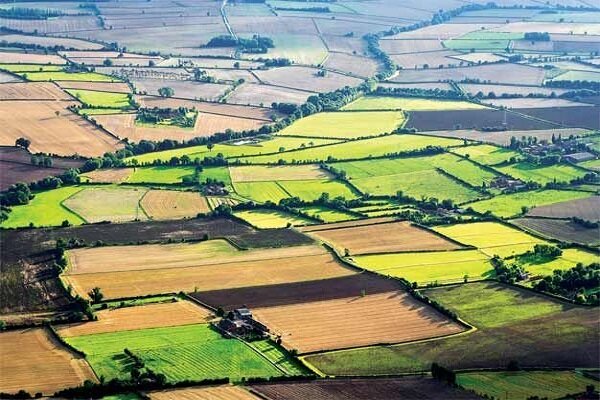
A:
(579, 157)
(240, 322)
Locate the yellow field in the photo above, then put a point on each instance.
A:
(139, 317)
(173, 204)
(32, 360)
(204, 393)
(268, 219)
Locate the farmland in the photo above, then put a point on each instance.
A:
(487, 154)
(407, 104)
(171, 204)
(564, 230)
(217, 392)
(585, 208)
(100, 99)
(107, 204)
(265, 219)
(528, 172)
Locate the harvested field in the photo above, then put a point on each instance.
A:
(523, 103)
(409, 104)
(360, 66)
(268, 219)
(52, 25)
(354, 321)
(405, 388)
(503, 138)
(347, 224)
(65, 134)
(27, 58)
(155, 315)
(499, 90)
(5, 77)
(574, 117)
(305, 78)
(205, 393)
(431, 59)
(277, 173)
(298, 292)
(45, 366)
(112, 175)
(173, 204)
(255, 94)
(385, 238)
(32, 91)
(408, 46)
(124, 126)
(191, 267)
(587, 208)
(560, 229)
(48, 41)
(183, 89)
(474, 119)
(107, 204)
(113, 87)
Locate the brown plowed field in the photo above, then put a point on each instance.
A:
(588, 209)
(65, 134)
(298, 292)
(30, 359)
(115, 87)
(205, 393)
(124, 126)
(112, 175)
(561, 229)
(32, 91)
(346, 224)
(577, 117)
(140, 317)
(173, 204)
(385, 238)
(406, 388)
(390, 317)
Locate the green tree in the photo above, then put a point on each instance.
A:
(166, 91)
(96, 295)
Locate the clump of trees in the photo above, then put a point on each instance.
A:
(537, 36)
(507, 273)
(181, 116)
(256, 45)
(29, 13)
(575, 283)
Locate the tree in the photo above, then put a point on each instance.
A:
(23, 142)
(107, 62)
(96, 295)
(210, 146)
(166, 91)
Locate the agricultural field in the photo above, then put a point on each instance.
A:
(346, 125)
(528, 172)
(172, 204)
(265, 219)
(99, 204)
(328, 214)
(560, 229)
(277, 173)
(586, 208)
(408, 104)
(486, 154)
(101, 99)
(213, 392)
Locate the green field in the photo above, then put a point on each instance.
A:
(99, 111)
(482, 40)
(91, 98)
(267, 146)
(30, 67)
(44, 210)
(280, 357)
(591, 164)
(302, 49)
(513, 324)
(312, 189)
(67, 76)
(578, 76)
(430, 267)
(192, 352)
(260, 192)
(409, 104)
(265, 219)
(108, 203)
(508, 205)
(328, 214)
(491, 238)
(521, 385)
(174, 175)
(542, 174)
(539, 267)
(462, 169)
(345, 125)
(137, 301)
(486, 154)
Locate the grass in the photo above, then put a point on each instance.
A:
(430, 267)
(44, 209)
(67, 76)
(191, 352)
(91, 98)
(529, 172)
(462, 169)
(357, 149)
(261, 192)
(31, 67)
(173, 175)
(312, 189)
(280, 357)
(267, 146)
(578, 76)
(544, 267)
(487, 154)
(409, 104)
(345, 125)
(99, 111)
(525, 384)
(302, 49)
(265, 219)
(328, 214)
(483, 40)
(108, 203)
(508, 205)
(591, 164)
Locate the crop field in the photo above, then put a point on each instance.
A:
(113, 175)
(328, 214)
(576, 117)
(503, 138)
(354, 321)
(312, 189)
(345, 125)
(172, 204)
(45, 367)
(560, 229)
(249, 93)
(586, 208)
(25, 58)
(160, 174)
(111, 87)
(46, 209)
(430, 267)
(424, 388)
(305, 78)
(277, 173)
(265, 219)
(63, 134)
(225, 392)
(384, 238)
(528, 172)
(67, 76)
(92, 98)
(409, 104)
(29, 67)
(486, 154)
(31, 91)
(509, 205)
(261, 192)
(107, 204)
(191, 352)
(507, 319)
(139, 317)
(192, 267)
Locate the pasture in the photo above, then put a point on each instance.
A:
(384, 238)
(521, 384)
(486, 154)
(528, 172)
(45, 367)
(259, 173)
(430, 267)
(328, 214)
(345, 125)
(541, 266)
(107, 204)
(172, 204)
(313, 189)
(408, 104)
(67, 76)
(192, 352)
(174, 175)
(111, 175)
(266, 219)
(261, 192)
(507, 319)
(510, 205)
(92, 98)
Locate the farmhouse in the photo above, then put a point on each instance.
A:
(240, 322)
(579, 157)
